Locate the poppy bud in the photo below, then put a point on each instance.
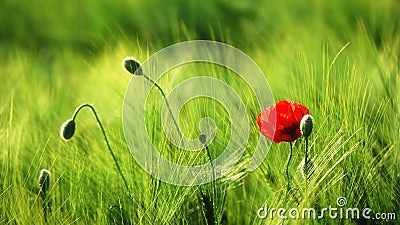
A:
(132, 66)
(306, 125)
(202, 138)
(44, 180)
(67, 129)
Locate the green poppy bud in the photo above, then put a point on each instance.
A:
(202, 138)
(306, 125)
(67, 129)
(132, 66)
(44, 180)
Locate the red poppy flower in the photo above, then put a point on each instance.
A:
(281, 121)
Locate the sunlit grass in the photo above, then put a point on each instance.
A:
(347, 74)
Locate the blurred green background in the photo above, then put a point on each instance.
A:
(89, 26)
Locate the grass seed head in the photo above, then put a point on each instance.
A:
(67, 129)
(307, 170)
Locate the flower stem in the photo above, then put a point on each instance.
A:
(44, 205)
(167, 103)
(208, 211)
(210, 159)
(106, 140)
(214, 185)
(287, 171)
(306, 163)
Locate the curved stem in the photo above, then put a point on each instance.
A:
(167, 103)
(287, 170)
(105, 138)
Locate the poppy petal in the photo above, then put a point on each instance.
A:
(281, 121)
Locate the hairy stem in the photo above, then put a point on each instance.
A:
(44, 205)
(167, 103)
(306, 172)
(214, 194)
(208, 211)
(105, 138)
